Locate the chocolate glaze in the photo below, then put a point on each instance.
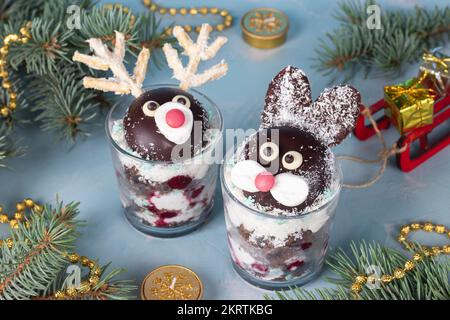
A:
(142, 134)
(316, 168)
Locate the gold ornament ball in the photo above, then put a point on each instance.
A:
(2, 62)
(172, 11)
(59, 295)
(415, 226)
(94, 280)
(4, 218)
(409, 265)
(440, 229)
(71, 292)
(214, 10)
(28, 202)
(446, 249)
(399, 273)
(20, 206)
(6, 85)
(203, 11)
(183, 11)
(361, 279)
(84, 261)
(74, 257)
(356, 288)
(417, 257)
(13, 223)
(4, 50)
(428, 227)
(193, 11)
(386, 278)
(19, 216)
(4, 112)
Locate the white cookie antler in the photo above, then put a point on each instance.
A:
(104, 59)
(196, 52)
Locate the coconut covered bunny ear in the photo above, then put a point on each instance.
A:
(330, 118)
(288, 93)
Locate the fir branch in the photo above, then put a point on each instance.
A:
(36, 257)
(102, 23)
(429, 279)
(48, 45)
(8, 148)
(64, 105)
(403, 37)
(35, 266)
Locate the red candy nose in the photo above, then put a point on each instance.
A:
(175, 118)
(264, 181)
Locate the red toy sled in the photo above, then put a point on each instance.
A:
(405, 160)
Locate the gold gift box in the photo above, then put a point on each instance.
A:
(409, 105)
(435, 72)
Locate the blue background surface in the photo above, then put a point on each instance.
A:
(85, 173)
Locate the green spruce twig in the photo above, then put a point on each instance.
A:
(428, 280)
(402, 39)
(34, 267)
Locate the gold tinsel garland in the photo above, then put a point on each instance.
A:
(409, 265)
(14, 38)
(95, 271)
(227, 18)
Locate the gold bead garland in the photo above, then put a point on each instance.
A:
(94, 269)
(14, 38)
(409, 265)
(86, 286)
(227, 18)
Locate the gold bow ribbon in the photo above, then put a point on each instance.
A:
(443, 62)
(414, 91)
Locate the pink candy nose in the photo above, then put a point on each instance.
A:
(264, 181)
(175, 118)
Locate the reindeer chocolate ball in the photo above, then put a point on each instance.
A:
(154, 139)
(160, 119)
(288, 165)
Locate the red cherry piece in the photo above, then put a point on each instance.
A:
(306, 245)
(264, 181)
(175, 118)
(258, 267)
(179, 182)
(294, 265)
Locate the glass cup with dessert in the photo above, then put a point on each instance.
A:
(281, 185)
(163, 138)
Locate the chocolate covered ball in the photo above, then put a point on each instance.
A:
(141, 130)
(290, 150)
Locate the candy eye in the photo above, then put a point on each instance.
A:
(182, 100)
(149, 108)
(269, 151)
(292, 160)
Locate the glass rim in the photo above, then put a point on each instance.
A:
(261, 213)
(212, 105)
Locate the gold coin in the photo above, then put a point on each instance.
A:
(172, 282)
